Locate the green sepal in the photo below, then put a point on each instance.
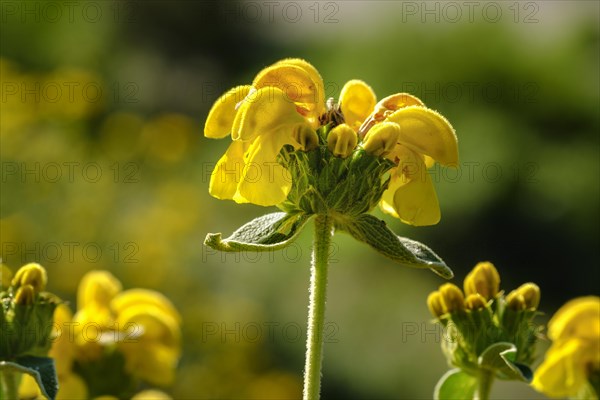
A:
(268, 232)
(42, 370)
(455, 384)
(375, 232)
(500, 357)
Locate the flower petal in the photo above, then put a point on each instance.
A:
(220, 118)
(414, 199)
(357, 100)
(564, 370)
(579, 317)
(427, 132)
(263, 111)
(299, 80)
(264, 181)
(228, 172)
(97, 289)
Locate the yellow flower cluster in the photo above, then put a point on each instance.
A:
(285, 106)
(575, 352)
(141, 325)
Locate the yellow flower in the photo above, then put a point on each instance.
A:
(412, 136)
(142, 324)
(575, 351)
(279, 108)
(283, 106)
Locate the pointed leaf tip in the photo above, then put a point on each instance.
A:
(375, 232)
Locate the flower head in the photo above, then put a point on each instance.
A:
(575, 351)
(284, 113)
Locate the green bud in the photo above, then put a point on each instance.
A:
(342, 141)
(25, 295)
(31, 274)
(453, 299)
(475, 302)
(528, 293)
(435, 304)
(484, 280)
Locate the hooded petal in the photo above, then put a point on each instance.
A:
(220, 118)
(579, 317)
(357, 100)
(264, 181)
(264, 111)
(297, 79)
(96, 289)
(414, 200)
(427, 132)
(228, 172)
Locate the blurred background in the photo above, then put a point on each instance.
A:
(104, 166)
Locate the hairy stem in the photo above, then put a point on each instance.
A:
(316, 310)
(484, 384)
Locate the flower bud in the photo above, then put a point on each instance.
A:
(515, 301)
(382, 138)
(306, 137)
(452, 298)
(435, 304)
(475, 302)
(342, 140)
(531, 295)
(483, 279)
(31, 274)
(25, 295)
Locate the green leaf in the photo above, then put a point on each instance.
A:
(42, 370)
(500, 357)
(455, 384)
(269, 232)
(374, 232)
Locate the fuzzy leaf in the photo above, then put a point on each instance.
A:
(455, 384)
(42, 369)
(374, 232)
(500, 357)
(269, 232)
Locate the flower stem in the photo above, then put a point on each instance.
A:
(9, 384)
(484, 384)
(316, 310)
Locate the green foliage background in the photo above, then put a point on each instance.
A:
(520, 87)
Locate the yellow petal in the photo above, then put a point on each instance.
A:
(357, 101)
(97, 289)
(564, 370)
(579, 317)
(264, 111)
(228, 171)
(151, 394)
(220, 118)
(62, 350)
(427, 132)
(415, 201)
(382, 138)
(298, 79)
(264, 181)
(149, 323)
(397, 101)
(144, 297)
